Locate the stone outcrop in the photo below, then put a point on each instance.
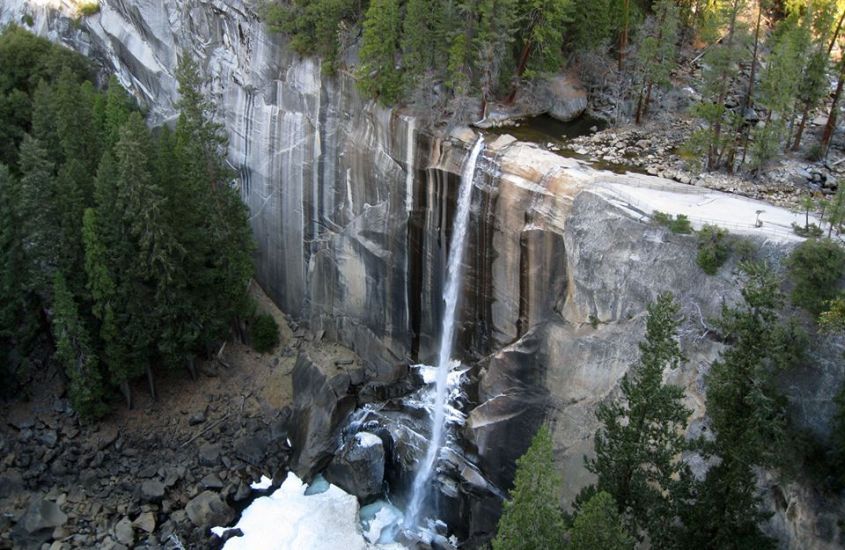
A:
(322, 401)
(358, 468)
(208, 509)
(352, 203)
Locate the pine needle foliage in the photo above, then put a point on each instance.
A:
(532, 517)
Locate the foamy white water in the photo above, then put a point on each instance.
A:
(451, 293)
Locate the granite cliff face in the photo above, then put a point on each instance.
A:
(352, 204)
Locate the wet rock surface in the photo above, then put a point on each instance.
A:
(358, 468)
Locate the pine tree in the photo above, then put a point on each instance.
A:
(813, 85)
(595, 22)
(598, 526)
(416, 41)
(115, 113)
(44, 122)
(779, 87)
(531, 517)
(38, 216)
(642, 434)
(657, 53)
(152, 255)
(75, 353)
(493, 43)
(748, 417)
(314, 25)
(11, 283)
(540, 36)
(212, 229)
(717, 140)
(816, 266)
(378, 75)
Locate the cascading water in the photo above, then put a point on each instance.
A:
(453, 287)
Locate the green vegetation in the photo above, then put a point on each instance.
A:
(645, 490)
(452, 56)
(128, 250)
(87, 9)
(378, 75)
(679, 224)
(531, 517)
(748, 417)
(641, 437)
(834, 318)
(599, 526)
(713, 248)
(816, 266)
(657, 54)
(485, 47)
(264, 333)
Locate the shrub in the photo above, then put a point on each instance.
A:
(28, 20)
(745, 249)
(264, 333)
(662, 218)
(713, 248)
(681, 225)
(87, 9)
(812, 230)
(816, 266)
(594, 321)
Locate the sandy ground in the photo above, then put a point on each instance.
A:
(256, 384)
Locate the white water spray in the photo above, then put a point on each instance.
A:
(453, 287)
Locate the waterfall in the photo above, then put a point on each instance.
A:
(410, 149)
(453, 287)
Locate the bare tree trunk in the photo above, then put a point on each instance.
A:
(796, 145)
(836, 33)
(520, 70)
(151, 383)
(648, 98)
(192, 369)
(715, 153)
(639, 116)
(127, 393)
(830, 127)
(750, 92)
(623, 36)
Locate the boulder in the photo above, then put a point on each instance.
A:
(208, 509)
(145, 522)
(251, 449)
(42, 514)
(567, 98)
(358, 468)
(322, 400)
(209, 455)
(152, 490)
(211, 481)
(124, 533)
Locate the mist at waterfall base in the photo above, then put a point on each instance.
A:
(297, 515)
